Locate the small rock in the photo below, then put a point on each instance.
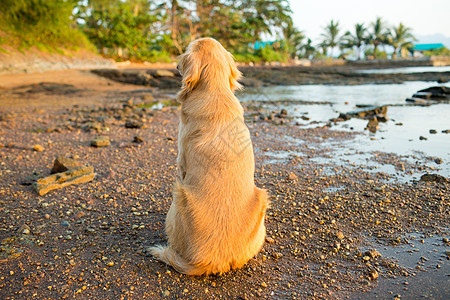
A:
(292, 176)
(445, 240)
(65, 223)
(433, 131)
(270, 240)
(133, 124)
(372, 253)
(434, 178)
(422, 138)
(166, 293)
(110, 264)
(101, 141)
(340, 235)
(373, 274)
(446, 131)
(38, 148)
(63, 164)
(277, 255)
(438, 160)
(138, 139)
(263, 284)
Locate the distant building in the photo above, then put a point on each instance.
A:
(419, 49)
(259, 45)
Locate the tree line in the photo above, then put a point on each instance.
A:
(155, 30)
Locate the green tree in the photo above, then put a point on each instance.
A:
(293, 39)
(400, 37)
(330, 37)
(378, 36)
(45, 22)
(356, 39)
(123, 28)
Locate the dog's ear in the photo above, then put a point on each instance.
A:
(191, 68)
(235, 73)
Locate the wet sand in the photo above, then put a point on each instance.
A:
(330, 229)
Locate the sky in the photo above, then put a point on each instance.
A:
(424, 17)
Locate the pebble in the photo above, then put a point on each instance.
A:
(166, 293)
(100, 141)
(263, 284)
(38, 148)
(292, 176)
(65, 223)
(433, 131)
(270, 240)
(422, 138)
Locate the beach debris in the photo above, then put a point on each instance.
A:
(62, 164)
(431, 95)
(100, 141)
(433, 178)
(374, 114)
(77, 175)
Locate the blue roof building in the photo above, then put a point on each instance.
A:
(426, 47)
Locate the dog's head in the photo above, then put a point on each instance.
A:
(208, 64)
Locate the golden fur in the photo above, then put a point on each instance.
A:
(216, 220)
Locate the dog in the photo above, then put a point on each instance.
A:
(216, 220)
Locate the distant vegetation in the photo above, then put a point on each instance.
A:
(155, 30)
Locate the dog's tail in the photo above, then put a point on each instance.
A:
(172, 258)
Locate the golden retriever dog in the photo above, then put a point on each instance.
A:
(216, 220)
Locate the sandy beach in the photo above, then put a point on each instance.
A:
(330, 228)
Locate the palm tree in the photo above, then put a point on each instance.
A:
(293, 39)
(331, 36)
(400, 37)
(379, 35)
(356, 39)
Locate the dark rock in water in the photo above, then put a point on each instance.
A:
(382, 118)
(373, 125)
(343, 116)
(438, 160)
(63, 164)
(133, 124)
(433, 178)
(419, 101)
(368, 111)
(436, 90)
(422, 138)
(433, 131)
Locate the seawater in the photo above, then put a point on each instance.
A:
(400, 134)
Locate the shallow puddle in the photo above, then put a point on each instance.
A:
(425, 256)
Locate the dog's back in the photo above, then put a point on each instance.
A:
(216, 220)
